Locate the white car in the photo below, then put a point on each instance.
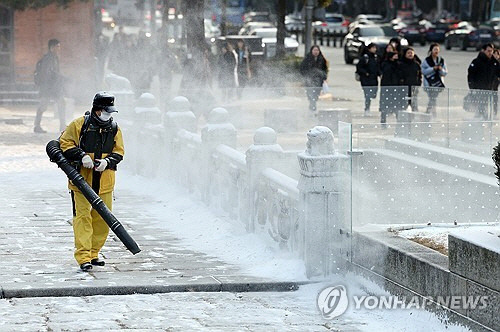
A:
(269, 41)
(249, 27)
(211, 31)
(332, 22)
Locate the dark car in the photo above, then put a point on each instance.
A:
(465, 36)
(436, 32)
(414, 33)
(362, 35)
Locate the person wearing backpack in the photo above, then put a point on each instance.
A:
(94, 143)
(50, 83)
(433, 70)
(368, 70)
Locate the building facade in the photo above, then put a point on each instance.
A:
(24, 36)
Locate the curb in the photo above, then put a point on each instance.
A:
(150, 289)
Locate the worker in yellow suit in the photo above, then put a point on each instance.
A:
(94, 143)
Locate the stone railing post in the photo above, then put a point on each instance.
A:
(263, 153)
(217, 131)
(121, 88)
(321, 202)
(146, 133)
(179, 116)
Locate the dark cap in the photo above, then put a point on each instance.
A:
(104, 101)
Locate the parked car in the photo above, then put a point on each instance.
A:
(107, 20)
(269, 41)
(436, 32)
(257, 17)
(414, 32)
(361, 36)
(466, 35)
(211, 31)
(294, 23)
(249, 27)
(331, 23)
(370, 17)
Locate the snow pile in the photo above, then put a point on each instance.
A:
(438, 234)
(214, 233)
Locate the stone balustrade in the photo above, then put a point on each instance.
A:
(302, 215)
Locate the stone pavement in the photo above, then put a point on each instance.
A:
(42, 288)
(36, 241)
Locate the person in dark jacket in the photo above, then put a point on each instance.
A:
(226, 64)
(51, 85)
(481, 75)
(391, 94)
(314, 68)
(411, 76)
(496, 56)
(368, 70)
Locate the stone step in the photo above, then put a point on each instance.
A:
(450, 157)
(9, 102)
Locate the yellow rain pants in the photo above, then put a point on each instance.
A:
(89, 228)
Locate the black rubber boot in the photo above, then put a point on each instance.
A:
(97, 262)
(86, 267)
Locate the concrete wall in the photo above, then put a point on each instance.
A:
(405, 264)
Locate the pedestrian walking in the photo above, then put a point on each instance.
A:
(242, 66)
(368, 69)
(227, 70)
(50, 83)
(496, 56)
(94, 143)
(411, 76)
(392, 97)
(314, 69)
(481, 75)
(434, 70)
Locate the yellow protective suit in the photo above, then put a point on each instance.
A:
(90, 230)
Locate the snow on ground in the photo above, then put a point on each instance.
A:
(202, 229)
(438, 233)
(214, 233)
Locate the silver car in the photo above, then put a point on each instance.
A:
(269, 41)
(332, 23)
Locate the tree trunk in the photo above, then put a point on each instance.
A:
(195, 28)
(223, 18)
(281, 33)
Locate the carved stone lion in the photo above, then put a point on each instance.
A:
(320, 141)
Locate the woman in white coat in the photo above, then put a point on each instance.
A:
(434, 70)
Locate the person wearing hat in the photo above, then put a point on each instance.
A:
(94, 144)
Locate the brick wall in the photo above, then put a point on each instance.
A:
(73, 26)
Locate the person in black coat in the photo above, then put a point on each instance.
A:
(391, 95)
(51, 86)
(368, 70)
(314, 69)
(481, 75)
(226, 64)
(411, 76)
(496, 56)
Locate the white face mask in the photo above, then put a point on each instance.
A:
(105, 116)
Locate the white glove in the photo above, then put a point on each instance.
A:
(87, 161)
(102, 165)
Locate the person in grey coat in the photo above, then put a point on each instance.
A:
(434, 70)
